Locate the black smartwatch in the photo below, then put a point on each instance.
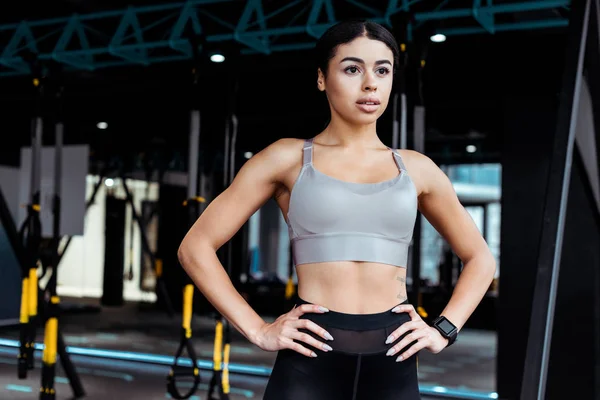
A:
(446, 328)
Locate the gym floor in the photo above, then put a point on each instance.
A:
(134, 347)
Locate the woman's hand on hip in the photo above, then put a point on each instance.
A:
(420, 334)
(280, 334)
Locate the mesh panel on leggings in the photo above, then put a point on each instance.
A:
(358, 342)
(358, 333)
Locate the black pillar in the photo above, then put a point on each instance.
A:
(527, 137)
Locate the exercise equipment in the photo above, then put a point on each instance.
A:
(47, 391)
(193, 205)
(53, 342)
(129, 274)
(160, 285)
(114, 250)
(222, 343)
(400, 139)
(30, 235)
(290, 287)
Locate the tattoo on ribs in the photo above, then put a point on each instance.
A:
(400, 296)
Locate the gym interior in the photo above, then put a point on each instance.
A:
(122, 122)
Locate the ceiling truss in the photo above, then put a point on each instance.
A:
(158, 33)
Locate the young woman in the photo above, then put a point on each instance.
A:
(350, 203)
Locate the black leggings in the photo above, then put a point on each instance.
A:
(356, 369)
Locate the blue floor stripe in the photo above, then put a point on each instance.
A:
(19, 388)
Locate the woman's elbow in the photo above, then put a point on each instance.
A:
(190, 250)
(483, 259)
(490, 262)
(185, 252)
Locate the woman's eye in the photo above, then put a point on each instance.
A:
(352, 70)
(383, 71)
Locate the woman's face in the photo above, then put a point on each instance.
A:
(359, 80)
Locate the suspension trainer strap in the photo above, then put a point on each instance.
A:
(47, 391)
(186, 334)
(30, 237)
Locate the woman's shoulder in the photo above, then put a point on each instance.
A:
(285, 149)
(422, 170)
(414, 158)
(282, 155)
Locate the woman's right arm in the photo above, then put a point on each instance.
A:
(254, 184)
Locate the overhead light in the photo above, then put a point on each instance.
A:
(471, 148)
(102, 125)
(109, 182)
(217, 58)
(248, 155)
(438, 38)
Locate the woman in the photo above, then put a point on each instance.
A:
(350, 203)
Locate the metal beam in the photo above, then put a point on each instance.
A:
(514, 7)
(313, 18)
(484, 16)
(86, 42)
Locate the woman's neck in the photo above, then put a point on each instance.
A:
(341, 133)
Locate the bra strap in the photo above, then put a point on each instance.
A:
(398, 160)
(307, 151)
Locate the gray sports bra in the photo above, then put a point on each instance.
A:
(333, 220)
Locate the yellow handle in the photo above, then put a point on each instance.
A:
(199, 199)
(218, 346)
(158, 267)
(225, 380)
(32, 303)
(421, 311)
(289, 289)
(188, 297)
(50, 338)
(24, 316)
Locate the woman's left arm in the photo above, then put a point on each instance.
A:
(439, 203)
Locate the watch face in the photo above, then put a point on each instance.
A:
(445, 326)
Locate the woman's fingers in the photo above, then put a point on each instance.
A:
(290, 344)
(409, 309)
(420, 345)
(306, 338)
(311, 326)
(406, 327)
(408, 339)
(307, 308)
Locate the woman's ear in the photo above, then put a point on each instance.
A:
(320, 80)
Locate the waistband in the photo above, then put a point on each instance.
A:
(356, 322)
